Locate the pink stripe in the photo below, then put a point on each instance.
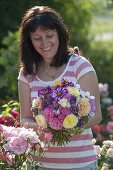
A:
(81, 67)
(36, 88)
(81, 137)
(72, 63)
(70, 73)
(68, 160)
(69, 149)
(30, 79)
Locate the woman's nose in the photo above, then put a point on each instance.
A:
(44, 42)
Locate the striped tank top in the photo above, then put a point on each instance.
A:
(79, 152)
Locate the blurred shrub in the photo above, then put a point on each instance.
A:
(100, 54)
(8, 68)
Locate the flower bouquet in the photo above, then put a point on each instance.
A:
(17, 146)
(63, 109)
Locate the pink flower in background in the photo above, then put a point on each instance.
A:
(110, 111)
(2, 119)
(9, 159)
(110, 152)
(110, 127)
(17, 145)
(103, 88)
(14, 113)
(105, 167)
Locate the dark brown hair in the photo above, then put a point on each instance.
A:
(46, 18)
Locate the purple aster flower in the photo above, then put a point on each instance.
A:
(44, 92)
(59, 92)
(74, 106)
(93, 105)
(66, 83)
(47, 101)
(80, 122)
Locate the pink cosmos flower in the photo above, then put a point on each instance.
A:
(48, 136)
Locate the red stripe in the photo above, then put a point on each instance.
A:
(69, 149)
(70, 73)
(81, 137)
(36, 88)
(72, 63)
(68, 160)
(81, 67)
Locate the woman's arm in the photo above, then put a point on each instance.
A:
(25, 105)
(89, 82)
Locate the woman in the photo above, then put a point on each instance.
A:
(46, 58)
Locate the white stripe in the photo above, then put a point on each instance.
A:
(22, 79)
(75, 143)
(71, 79)
(34, 94)
(84, 71)
(66, 166)
(71, 68)
(69, 154)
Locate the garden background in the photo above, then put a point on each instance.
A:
(90, 24)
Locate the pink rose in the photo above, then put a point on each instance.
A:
(16, 145)
(97, 149)
(9, 159)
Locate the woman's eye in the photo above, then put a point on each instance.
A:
(50, 36)
(37, 39)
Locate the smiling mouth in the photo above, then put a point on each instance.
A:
(46, 49)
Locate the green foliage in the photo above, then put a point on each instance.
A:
(11, 13)
(8, 63)
(101, 56)
(7, 107)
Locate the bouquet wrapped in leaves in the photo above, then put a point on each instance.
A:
(63, 109)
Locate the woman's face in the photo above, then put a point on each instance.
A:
(45, 42)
